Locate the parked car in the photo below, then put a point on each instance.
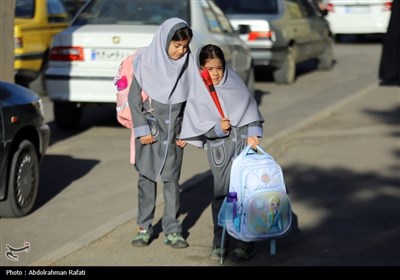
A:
(358, 16)
(85, 57)
(24, 138)
(282, 33)
(35, 24)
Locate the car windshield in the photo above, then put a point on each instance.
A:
(249, 6)
(132, 12)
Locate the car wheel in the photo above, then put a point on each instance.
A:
(338, 37)
(23, 181)
(326, 58)
(67, 115)
(286, 74)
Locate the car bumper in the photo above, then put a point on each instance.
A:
(81, 89)
(358, 25)
(268, 57)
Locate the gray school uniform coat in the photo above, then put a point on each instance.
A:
(222, 150)
(167, 85)
(161, 160)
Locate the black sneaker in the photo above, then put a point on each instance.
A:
(141, 239)
(216, 253)
(244, 252)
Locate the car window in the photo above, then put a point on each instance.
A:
(249, 6)
(294, 9)
(223, 20)
(24, 8)
(56, 11)
(308, 9)
(213, 23)
(132, 12)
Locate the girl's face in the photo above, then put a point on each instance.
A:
(177, 49)
(215, 68)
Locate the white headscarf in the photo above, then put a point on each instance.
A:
(201, 114)
(157, 73)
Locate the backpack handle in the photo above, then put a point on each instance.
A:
(249, 151)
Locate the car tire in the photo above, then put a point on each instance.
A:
(325, 60)
(67, 115)
(286, 74)
(23, 181)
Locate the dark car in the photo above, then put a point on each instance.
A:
(282, 33)
(24, 138)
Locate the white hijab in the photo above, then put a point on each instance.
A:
(201, 114)
(157, 73)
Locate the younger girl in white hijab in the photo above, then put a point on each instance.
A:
(224, 138)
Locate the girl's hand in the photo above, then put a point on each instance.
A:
(147, 139)
(253, 141)
(180, 143)
(225, 125)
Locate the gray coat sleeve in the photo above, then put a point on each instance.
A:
(140, 124)
(255, 129)
(216, 132)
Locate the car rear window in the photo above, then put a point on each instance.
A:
(24, 8)
(249, 6)
(132, 12)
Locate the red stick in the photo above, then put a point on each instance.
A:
(210, 86)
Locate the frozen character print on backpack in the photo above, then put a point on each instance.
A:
(274, 215)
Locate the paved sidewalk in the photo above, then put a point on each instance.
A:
(342, 173)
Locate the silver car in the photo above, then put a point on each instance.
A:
(85, 57)
(281, 33)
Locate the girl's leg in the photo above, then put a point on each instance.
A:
(147, 202)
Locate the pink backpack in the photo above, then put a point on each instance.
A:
(123, 81)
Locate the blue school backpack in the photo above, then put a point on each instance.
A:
(257, 207)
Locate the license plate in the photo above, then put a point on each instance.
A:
(109, 55)
(357, 9)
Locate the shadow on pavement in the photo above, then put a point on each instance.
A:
(92, 116)
(58, 172)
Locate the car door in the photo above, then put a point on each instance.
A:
(300, 28)
(319, 28)
(3, 150)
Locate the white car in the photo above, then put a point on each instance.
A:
(358, 16)
(85, 57)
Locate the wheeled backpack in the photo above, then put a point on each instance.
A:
(261, 209)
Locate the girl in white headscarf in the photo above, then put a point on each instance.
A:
(223, 137)
(162, 71)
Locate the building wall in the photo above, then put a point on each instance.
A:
(7, 11)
